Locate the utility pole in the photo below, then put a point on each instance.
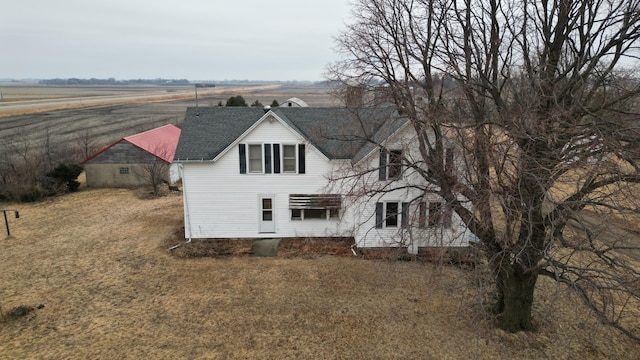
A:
(197, 111)
(6, 221)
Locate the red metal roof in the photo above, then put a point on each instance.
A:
(161, 142)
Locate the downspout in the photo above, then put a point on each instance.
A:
(186, 202)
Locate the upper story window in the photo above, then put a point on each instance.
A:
(395, 164)
(289, 158)
(255, 158)
(272, 158)
(390, 164)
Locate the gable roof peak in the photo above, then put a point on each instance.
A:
(337, 132)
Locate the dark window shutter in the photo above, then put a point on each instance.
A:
(267, 158)
(422, 222)
(404, 212)
(379, 215)
(242, 149)
(382, 170)
(446, 216)
(301, 159)
(276, 158)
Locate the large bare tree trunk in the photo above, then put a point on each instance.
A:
(515, 298)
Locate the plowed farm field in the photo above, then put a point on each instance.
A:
(68, 115)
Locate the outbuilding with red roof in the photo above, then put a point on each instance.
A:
(128, 161)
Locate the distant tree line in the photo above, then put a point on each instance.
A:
(113, 81)
(238, 100)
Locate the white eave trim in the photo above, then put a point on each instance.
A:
(188, 160)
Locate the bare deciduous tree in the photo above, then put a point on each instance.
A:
(26, 160)
(541, 98)
(153, 170)
(85, 145)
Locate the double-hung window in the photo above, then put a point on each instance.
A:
(391, 214)
(390, 166)
(434, 214)
(289, 158)
(395, 164)
(255, 158)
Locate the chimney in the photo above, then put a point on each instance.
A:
(266, 109)
(355, 96)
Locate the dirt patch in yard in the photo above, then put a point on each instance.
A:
(289, 247)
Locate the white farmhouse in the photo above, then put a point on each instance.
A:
(302, 172)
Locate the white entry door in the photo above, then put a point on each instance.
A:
(267, 214)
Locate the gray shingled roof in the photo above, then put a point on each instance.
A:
(339, 133)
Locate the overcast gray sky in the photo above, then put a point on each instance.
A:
(192, 39)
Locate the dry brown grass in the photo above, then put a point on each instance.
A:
(97, 261)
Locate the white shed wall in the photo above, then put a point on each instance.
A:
(174, 173)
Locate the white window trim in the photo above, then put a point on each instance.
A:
(302, 218)
(329, 203)
(248, 155)
(398, 215)
(389, 164)
(443, 220)
(295, 159)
